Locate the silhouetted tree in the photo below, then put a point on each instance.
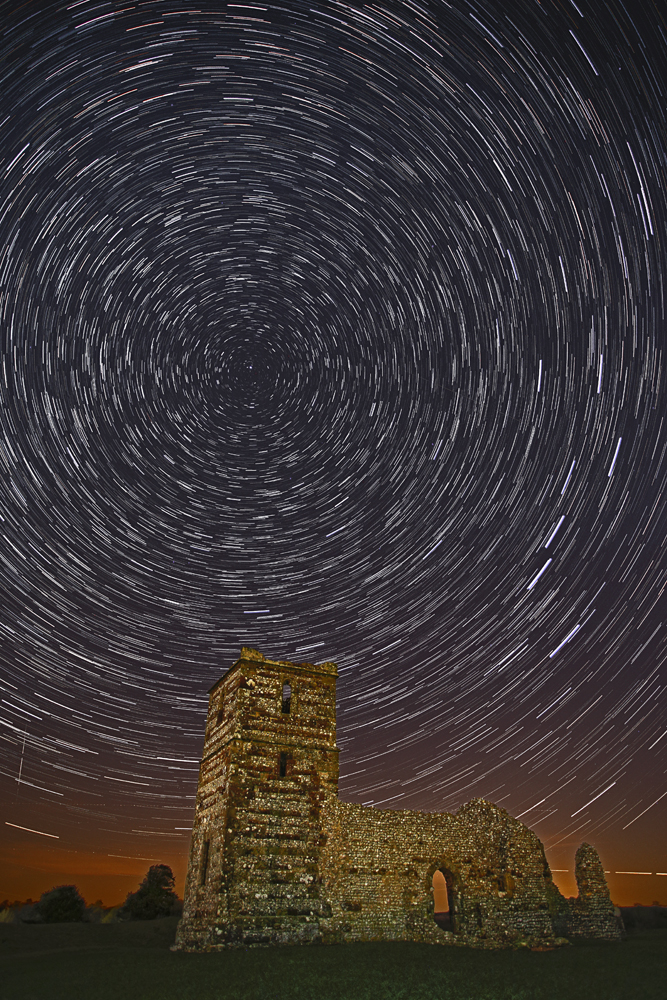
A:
(61, 905)
(155, 897)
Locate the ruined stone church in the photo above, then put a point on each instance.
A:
(277, 858)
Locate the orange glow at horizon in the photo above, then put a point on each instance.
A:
(31, 864)
(28, 870)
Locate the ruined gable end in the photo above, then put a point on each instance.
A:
(592, 913)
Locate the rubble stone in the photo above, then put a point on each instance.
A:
(277, 858)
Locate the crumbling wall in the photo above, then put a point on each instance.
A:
(378, 867)
(373, 871)
(592, 913)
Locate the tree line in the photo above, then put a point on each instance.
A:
(154, 898)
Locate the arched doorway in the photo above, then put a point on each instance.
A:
(444, 897)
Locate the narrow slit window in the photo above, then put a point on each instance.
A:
(204, 862)
(283, 764)
(287, 697)
(220, 717)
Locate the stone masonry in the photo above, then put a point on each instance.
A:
(277, 858)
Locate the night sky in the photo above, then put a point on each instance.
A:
(337, 330)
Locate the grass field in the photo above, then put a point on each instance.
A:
(133, 962)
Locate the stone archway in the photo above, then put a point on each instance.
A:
(441, 912)
(446, 889)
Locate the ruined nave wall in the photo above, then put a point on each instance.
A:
(378, 865)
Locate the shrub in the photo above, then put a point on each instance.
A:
(154, 898)
(61, 905)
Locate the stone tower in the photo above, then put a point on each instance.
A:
(269, 765)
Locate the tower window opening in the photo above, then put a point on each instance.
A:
(287, 697)
(282, 770)
(220, 717)
(204, 862)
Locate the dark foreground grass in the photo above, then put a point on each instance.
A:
(133, 962)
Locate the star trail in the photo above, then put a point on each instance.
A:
(337, 330)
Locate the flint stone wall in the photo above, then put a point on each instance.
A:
(261, 883)
(592, 914)
(277, 858)
(378, 866)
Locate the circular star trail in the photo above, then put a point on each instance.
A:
(338, 331)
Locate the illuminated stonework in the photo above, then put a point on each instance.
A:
(277, 858)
